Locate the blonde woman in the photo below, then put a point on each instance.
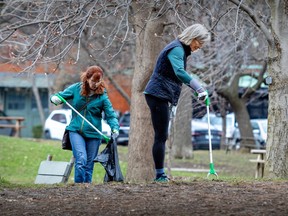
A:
(164, 87)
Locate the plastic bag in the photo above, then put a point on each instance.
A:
(66, 144)
(108, 158)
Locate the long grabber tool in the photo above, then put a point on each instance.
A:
(212, 171)
(64, 101)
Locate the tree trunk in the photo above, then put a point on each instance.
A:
(243, 119)
(50, 82)
(223, 113)
(277, 144)
(230, 92)
(38, 101)
(182, 127)
(148, 45)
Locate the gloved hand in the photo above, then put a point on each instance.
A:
(55, 100)
(202, 96)
(115, 134)
(196, 86)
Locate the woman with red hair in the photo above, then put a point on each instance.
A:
(89, 97)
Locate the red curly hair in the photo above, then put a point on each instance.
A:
(96, 74)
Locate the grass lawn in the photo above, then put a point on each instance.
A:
(234, 164)
(20, 160)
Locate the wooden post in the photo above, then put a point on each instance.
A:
(49, 157)
(17, 128)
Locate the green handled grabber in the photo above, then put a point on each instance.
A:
(212, 171)
(64, 101)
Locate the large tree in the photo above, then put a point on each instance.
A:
(277, 144)
(148, 45)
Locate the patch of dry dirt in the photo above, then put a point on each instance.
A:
(175, 198)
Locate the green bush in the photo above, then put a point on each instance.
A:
(37, 131)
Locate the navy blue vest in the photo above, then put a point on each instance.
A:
(164, 83)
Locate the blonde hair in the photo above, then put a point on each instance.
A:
(196, 31)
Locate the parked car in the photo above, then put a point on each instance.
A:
(6, 131)
(216, 121)
(124, 122)
(200, 136)
(57, 121)
(259, 127)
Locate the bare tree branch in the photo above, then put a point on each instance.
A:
(256, 20)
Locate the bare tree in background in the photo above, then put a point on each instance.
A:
(53, 33)
(236, 44)
(276, 36)
(46, 31)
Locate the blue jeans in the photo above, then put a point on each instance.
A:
(84, 151)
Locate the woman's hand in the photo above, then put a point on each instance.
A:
(56, 100)
(115, 134)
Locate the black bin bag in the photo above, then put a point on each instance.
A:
(108, 158)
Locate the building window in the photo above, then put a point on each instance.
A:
(15, 100)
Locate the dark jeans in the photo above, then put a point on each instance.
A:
(160, 119)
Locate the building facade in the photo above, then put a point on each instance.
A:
(17, 98)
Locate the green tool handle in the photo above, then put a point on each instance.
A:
(61, 98)
(64, 101)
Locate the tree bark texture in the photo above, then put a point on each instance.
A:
(148, 45)
(277, 142)
(182, 126)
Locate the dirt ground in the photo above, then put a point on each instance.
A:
(175, 198)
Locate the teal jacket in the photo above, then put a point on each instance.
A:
(92, 112)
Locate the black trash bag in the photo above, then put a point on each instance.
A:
(66, 144)
(108, 158)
